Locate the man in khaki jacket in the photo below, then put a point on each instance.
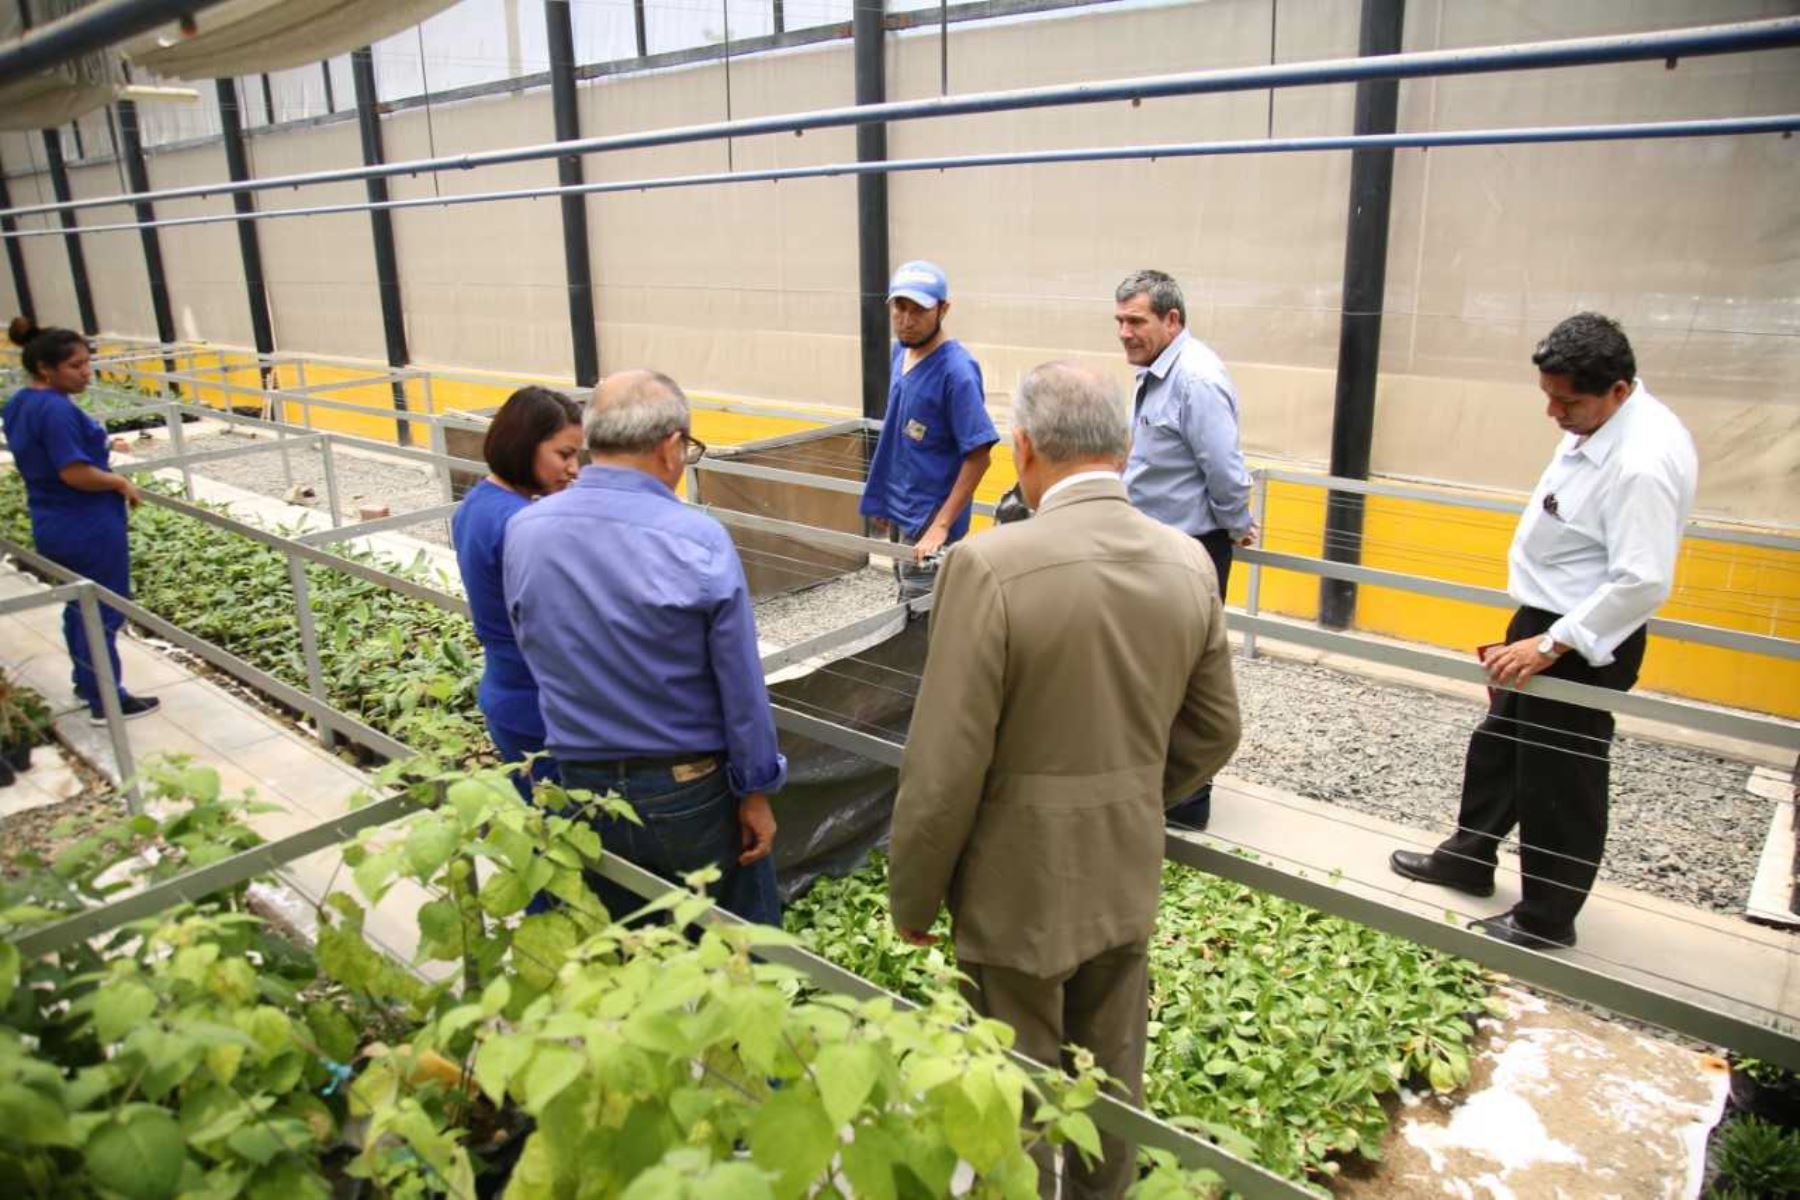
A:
(1077, 684)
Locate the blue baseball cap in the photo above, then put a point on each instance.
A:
(921, 282)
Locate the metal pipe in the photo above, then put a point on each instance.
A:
(59, 183)
(237, 164)
(871, 208)
(1364, 293)
(107, 683)
(88, 29)
(1678, 43)
(331, 481)
(381, 226)
(1784, 123)
(1259, 517)
(15, 254)
(309, 644)
(131, 149)
(569, 173)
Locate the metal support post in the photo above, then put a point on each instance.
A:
(331, 481)
(872, 208)
(381, 226)
(1365, 285)
(237, 165)
(441, 469)
(1259, 515)
(309, 645)
(15, 253)
(131, 148)
(178, 445)
(108, 685)
(569, 173)
(59, 183)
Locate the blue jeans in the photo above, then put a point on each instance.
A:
(99, 550)
(514, 746)
(686, 826)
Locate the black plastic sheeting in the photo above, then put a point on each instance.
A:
(837, 805)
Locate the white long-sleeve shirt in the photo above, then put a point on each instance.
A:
(1599, 538)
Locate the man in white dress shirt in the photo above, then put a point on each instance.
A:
(1592, 559)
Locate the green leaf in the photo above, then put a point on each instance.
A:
(498, 1060)
(869, 1161)
(553, 1068)
(541, 944)
(440, 930)
(846, 1073)
(139, 1156)
(120, 1007)
(732, 1181)
(32, 1117)
(9, 972)
(504, 893)
(1079, 1131)
(429, 844)
(792, 1137)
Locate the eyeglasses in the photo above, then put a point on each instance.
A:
(692, 448)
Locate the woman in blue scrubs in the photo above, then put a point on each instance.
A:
(77, 504)
(533, 448)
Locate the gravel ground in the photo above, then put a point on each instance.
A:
(1682, 825)
(785, 620)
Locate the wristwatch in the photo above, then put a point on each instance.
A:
(1547, 647)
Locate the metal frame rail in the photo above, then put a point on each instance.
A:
(1670, 45)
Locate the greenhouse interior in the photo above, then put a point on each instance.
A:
(1083, 621)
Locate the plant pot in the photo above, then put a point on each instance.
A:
(1776, 1103)
(17, 755)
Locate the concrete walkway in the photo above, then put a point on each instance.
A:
(250, 749)
(1720, 961)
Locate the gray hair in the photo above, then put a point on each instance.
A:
(1165, 294)
(1072, 414)
(631, 412)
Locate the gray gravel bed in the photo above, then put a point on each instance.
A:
(797, 616)
(1682, 824)
(361, 476)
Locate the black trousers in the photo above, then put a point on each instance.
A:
(1542, 765)
(1196, 810)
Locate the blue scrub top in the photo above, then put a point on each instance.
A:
(936, 417)
(46, 431)
(508, 695)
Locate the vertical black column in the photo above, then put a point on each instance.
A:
(1365, 285)
(237, 165)
(330, 99)
(137, 176)
(381, 224)
(59, 183)
(574, 208)
(780, 18)
(637, 19)
(872, 209)
(268, 90)
(15, 254)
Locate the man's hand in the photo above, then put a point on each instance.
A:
(756, 825)
(129, 490)
(1511, 665)
(914, 937)
(930, 542)
(1249, 538)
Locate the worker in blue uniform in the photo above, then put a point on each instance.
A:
(77, 503)
(533, 448)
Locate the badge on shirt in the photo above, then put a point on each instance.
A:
(915, 430)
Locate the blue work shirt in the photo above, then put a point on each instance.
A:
(45, 432)
(508, 694)
(1185, 468)
(936, 417)
(633, 614)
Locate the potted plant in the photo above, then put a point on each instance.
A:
(1764, 1090)
(24, 723)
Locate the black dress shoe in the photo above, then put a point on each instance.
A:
(1506, 928)
(1429, 868)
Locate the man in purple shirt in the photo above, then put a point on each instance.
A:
(631, 610)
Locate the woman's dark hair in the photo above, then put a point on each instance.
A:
(51, 348)
(21, 330)
(529, 417)
(1591, 350)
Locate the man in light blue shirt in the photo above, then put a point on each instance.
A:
(631, 610)
(1185, 468)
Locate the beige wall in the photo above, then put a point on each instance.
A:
(751, 289)
(117, 277)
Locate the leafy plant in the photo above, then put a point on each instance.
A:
(24, 717)
(1755, 1158)
(1269, 1019)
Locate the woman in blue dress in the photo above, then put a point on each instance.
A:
(77, 503)
(533, 448)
